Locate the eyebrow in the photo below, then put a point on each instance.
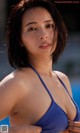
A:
(36, 22)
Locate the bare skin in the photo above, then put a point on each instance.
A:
(24, 98)
(74, 127)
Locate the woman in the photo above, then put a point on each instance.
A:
(36, 98)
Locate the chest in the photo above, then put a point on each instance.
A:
(34, 104)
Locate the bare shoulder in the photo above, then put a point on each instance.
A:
(12, 89)
(9, 84)
(15, 80)
(62, 75)
(8, 95)
(65, 79)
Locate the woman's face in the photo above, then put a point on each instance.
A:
(38, 32)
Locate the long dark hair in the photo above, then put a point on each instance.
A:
(17, 55)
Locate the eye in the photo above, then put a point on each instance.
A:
(49, 26)
(32, 29)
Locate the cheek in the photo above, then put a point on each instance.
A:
(25, 39)
(51, 36)
(55, 37)
(54, 40)
(28, 41)
(28, 38)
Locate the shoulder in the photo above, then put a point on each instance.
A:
(10, 84)
(65, 79)
(62, 75)
(12, 89)
(16, 76)
(15, 82)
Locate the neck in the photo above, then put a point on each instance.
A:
(42, 66)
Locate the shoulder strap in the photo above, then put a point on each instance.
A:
(41, 81)
(68, 93)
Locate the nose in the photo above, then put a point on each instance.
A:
(43, 35)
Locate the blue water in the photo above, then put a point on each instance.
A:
(76, 97)
(5, 121)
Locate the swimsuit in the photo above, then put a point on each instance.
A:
(55, 120)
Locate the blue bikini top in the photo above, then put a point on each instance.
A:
(55, 120)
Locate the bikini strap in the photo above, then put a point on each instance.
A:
(66, 89)
(41, 81)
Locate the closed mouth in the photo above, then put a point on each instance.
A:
(44, 45)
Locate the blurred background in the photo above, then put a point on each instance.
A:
(69, 62)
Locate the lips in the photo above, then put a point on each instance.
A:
(44, 45)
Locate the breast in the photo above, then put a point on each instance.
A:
(54, 120)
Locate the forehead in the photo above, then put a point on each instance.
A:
(36, 14)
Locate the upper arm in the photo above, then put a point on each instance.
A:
(9, 95)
